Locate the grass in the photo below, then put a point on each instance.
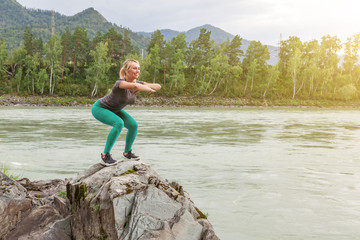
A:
(62, 194)
(5, 169)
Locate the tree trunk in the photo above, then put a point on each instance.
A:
(215, 87)
(164, 74)
(19, 83)
(42, 87)
(267, 86)
(302, 84)
(154, 79)
(53, 87)
(252, 82)
(74, 62)
(311, 87)
(294, 86)
(246, 83)
(50, 81)
(33, 86)
(208, 85)
(94, 91)
(63, 69)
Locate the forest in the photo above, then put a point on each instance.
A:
(72, 64)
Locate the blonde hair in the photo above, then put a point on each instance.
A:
(126, 65)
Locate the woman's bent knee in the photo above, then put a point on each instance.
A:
(132, 125)
(118, 124)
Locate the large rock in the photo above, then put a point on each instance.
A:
(126, 201)
(33, 210)
(131, 201)
(13, 204)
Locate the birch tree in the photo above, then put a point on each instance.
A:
(98, 71)
(286, 58)
(31, 64)
(310, 72)
(15, 63)
(177, 75)
(255, 66)
(272, 76)
(351, 68)
(329, 64)
(176, 60)
(293, 69)
(3, 59)
(154, 60)
(53, 50)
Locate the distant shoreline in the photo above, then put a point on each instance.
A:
(182, 101)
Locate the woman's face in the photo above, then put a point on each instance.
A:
(133, 71)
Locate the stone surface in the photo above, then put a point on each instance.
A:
(126, 201)
(13, 204)
(44, 222)
(33, 210)
(131, 201)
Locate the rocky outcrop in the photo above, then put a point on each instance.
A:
(33, 210)
(126, 201)
(13, 204)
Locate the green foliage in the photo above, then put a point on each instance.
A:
(62, 194)
(201, 214)
(3, 59)
(71, 64)
(96, 207)
(97, 72)
(5, 169)
(347, 92)
(53, 50)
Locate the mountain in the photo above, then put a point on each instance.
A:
(14, 18)
(217, 34)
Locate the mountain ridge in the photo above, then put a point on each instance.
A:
(14, 18)
(217, 34)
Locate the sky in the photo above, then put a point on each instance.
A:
(267, 21)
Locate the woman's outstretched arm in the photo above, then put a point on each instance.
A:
(153, 86)
(136, 87)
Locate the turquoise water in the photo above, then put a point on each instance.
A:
(282, 173)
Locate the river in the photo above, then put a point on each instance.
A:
(258, 173)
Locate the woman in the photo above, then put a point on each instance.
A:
(109, 109)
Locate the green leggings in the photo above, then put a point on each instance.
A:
(117, 121)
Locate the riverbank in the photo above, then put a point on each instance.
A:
(179, 101)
